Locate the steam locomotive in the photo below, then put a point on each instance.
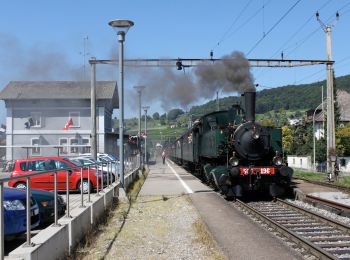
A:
(229, 150)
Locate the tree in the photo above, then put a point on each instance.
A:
(343, 140)
(156, 116)
(287, 138)
(174, 113)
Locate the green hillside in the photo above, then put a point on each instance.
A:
(290, 97)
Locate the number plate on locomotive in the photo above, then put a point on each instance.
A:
(263, 171)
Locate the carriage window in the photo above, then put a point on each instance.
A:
(212, 122)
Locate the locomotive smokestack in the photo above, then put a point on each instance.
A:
(249, 102)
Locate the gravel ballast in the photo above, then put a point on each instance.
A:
(156, 227)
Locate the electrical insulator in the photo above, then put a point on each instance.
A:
(211, 54)
(317, 15)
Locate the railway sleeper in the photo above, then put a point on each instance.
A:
(339, 251)
(328, 238)
(295, 225)
(333, 244)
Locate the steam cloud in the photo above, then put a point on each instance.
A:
(174, 88)
(35, 63)
(170, 87)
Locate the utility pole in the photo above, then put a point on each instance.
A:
(331, 148)
(93, 110)
(217, 101)
(139, 90)
(145, 109)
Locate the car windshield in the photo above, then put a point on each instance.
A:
(111, 157)
(76, 162)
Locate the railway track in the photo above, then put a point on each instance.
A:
(322, 237)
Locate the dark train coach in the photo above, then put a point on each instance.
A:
(229, 150)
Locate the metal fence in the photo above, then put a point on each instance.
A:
(106, 174)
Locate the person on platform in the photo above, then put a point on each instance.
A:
(163, 156)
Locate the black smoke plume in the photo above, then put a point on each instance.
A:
(175, 88)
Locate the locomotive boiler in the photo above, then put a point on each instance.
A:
(232, 152)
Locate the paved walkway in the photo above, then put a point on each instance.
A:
(237, 235)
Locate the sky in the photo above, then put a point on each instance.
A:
(44, 40)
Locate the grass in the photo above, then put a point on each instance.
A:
(310, 175)
(321, 176)
(107, 226)
(205, 238)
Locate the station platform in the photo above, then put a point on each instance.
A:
(236, 235)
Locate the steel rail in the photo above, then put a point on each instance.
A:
(314, 249)
(329, 203)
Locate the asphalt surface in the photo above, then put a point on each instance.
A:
(235, 233)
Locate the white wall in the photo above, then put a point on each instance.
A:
(344, 164)
(302, 162)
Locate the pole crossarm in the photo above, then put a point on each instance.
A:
(196, 62)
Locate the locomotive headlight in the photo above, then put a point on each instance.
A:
(255, 133)
(234, 161)
(277, 160)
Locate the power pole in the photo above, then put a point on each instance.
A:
(146, 137)
(217, 101)
(331, 148)
(139, 90)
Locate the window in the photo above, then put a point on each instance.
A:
(62, 165)
(342, 162)
(75, 116)
(73, 147)
(35, 150)
(85, 149)
(36, 119)
(64, 143)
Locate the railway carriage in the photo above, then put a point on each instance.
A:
(229, 150)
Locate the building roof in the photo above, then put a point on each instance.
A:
(29, 90)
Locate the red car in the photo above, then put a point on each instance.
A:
(46, 181)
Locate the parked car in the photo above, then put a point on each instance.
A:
(88, 160)
(46, 203)
(15, 220)
(22, 167)
(104, 157)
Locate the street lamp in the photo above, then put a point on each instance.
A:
(139, 90)
(145, 109)
(313, 129)
(121, 27)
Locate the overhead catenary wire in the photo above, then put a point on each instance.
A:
(242, 25)
(274, 26)
(298, 30)
(234, 22)
(284, 47)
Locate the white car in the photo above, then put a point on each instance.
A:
(112, 167)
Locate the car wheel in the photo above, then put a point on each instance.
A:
(20, 185)
(86, 186)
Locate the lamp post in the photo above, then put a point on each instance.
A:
(139, 91)
(121, 27)
(145, 109)
(313, 129)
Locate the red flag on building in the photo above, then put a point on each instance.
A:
(69, 123)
